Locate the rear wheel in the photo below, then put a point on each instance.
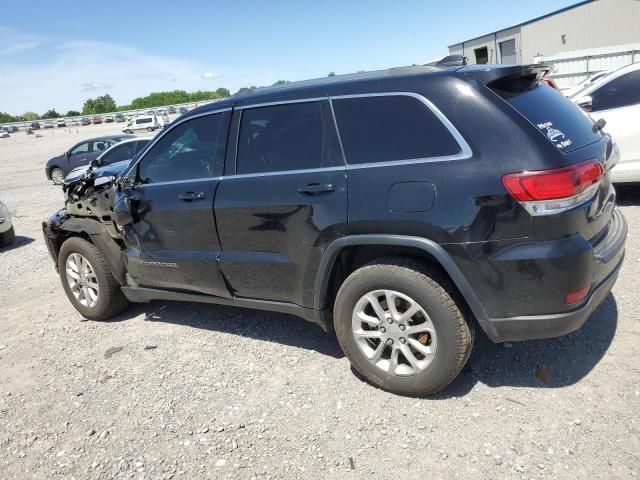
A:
(7, 237)
(88, 280)
(57, 176)
(149, 129)
(399, 325)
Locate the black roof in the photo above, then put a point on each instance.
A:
(321, 86)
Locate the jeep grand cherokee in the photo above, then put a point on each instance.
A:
(400, 209)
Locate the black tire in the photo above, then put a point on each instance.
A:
(110, 301)
(7, 237)
(432, 291)
(57, 176)
(149, 129)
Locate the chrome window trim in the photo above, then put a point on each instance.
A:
(174, 182)
(465, 149)
(285, 172)
(150, 145)
(282, 102)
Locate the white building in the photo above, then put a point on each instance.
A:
(584, 38)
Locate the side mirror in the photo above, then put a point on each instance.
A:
(67, 154)
(93, 164)
(585, 103)
(122, 211)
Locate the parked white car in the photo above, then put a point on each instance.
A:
(4, 134)
(7, 234)
(144, 122)
(590, 80)
(616, 99)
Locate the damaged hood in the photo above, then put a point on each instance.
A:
(78, 174)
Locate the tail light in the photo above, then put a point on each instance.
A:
(577, 295)
(547, 192)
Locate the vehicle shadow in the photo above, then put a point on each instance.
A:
(551, 363)
(19, 241)
(548, 363)
(265, 326)
(628, 195)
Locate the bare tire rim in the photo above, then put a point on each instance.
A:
(394, 332)
(57, 176)
(82, 280)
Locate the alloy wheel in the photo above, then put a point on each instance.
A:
(82, 280)
(394, 332)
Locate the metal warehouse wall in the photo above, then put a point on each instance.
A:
(491, 41)
(601, 23)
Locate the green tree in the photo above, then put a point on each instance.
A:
(51, 113)
(331, 74)
(280, 82)
(30, 116)
(223, 92)
(6, 118)
(89, 107)
(104, 104)
(101, 104)
(73, 113)
(245, 91)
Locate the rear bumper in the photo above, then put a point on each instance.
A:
(549, 326)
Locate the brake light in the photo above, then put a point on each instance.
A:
(553, 191)
(577, 295)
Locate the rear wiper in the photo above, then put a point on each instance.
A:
(599, 125)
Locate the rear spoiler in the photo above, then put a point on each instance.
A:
(508, 78)
(489, 74)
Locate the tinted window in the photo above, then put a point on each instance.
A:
(559, 119)
(188, 151)
(619, 92)
(101, 146)
(121, 152)
(82, 148)
(281, 137)
(144, 120)
(140, 145)
(387, 128)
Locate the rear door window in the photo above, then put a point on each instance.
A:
(623, 91)
(281, 138)
(559, 119)
(390, 128)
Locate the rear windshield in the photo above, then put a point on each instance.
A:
(559, 119)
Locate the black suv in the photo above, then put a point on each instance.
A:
(399, 208)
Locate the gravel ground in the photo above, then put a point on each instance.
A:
(168, 390)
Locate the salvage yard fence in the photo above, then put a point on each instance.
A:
(570, 68)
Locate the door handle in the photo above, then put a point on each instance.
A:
(316, 188)
(191, 196)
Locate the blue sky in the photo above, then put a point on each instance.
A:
(57, 54)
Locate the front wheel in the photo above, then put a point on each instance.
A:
(149, 129)
(399, 325)
(57, 176)
(88, 281)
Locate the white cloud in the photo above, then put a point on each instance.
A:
(18, 48)
(95, 86)
(210, 75)
(63, 75)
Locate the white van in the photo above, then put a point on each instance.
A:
(143, 122)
